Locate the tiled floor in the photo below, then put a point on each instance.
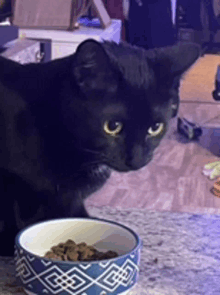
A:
(173, 181)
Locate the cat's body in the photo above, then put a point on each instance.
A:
(65, 123)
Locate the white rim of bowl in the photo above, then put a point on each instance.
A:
(139, 242)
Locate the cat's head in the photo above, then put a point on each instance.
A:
(125, 99)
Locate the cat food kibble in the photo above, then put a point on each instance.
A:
(70, 251)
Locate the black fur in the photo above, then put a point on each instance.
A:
(54, 148)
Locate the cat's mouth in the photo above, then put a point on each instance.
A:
(130, 165)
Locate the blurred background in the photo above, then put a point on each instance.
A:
(155, 23)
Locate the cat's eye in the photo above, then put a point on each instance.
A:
(112, 127)
(156, 129)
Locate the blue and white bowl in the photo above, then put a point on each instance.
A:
(39, 275)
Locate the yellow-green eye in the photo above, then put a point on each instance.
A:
(112, 127)
(156, 129)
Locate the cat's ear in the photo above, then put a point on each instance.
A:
(91, 68)
(173, 61)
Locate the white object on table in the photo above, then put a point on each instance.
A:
(64, 43)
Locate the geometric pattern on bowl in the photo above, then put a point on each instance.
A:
(114, 277)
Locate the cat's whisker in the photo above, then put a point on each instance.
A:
(91, 151)
(92, 163)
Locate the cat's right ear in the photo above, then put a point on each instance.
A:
(91, 68)
(173, 61)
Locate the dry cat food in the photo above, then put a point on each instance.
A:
(70, 251)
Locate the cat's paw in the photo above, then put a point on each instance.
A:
(212, 170)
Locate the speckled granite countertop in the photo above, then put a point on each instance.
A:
(180, 255)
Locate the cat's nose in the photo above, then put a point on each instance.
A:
(136, 159)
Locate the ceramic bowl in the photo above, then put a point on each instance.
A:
(39, 275)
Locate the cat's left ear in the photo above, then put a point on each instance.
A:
(175, 60)
(92, 69)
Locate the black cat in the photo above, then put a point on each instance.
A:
(65, 124)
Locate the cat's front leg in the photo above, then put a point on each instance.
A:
(69, 204)
(77, 206)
